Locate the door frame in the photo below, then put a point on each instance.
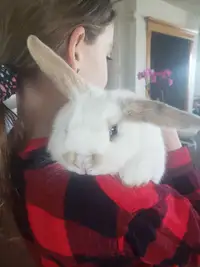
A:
(154, 25)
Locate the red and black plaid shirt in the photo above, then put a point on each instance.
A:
(72, 220)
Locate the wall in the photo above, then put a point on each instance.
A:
(122, 68)
(197, 79)
(130, 38)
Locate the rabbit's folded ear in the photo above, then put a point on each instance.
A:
(67, 81)
(159, 114)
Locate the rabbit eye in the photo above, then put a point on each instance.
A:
(113, 132)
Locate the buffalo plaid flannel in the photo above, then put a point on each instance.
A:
(72, 220)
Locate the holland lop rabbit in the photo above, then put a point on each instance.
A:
(107, 132)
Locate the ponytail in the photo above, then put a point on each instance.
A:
(7, 119)
(8, 85)
(11, 244)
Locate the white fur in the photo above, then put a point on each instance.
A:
(137, 154)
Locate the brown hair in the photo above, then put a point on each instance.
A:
(52, 21)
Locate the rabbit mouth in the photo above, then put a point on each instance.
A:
(82, 164)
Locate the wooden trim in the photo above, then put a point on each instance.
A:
(169, 29)
(160, 26)
(148, 49)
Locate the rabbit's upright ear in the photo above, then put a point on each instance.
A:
(68, 82)
(159, 114)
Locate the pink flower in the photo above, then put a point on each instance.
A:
(158, 73)
(153, 78)
(170, 82)
(140, 75)
(163, 75)
(168, 73)
(146, 74)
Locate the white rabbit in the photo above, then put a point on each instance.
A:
(107, 132)
(91, 137)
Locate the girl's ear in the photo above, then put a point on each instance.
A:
(67, 81)
(158, 113)
(73, 53)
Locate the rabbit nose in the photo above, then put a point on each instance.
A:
(74, 158)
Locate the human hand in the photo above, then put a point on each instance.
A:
(171, 139)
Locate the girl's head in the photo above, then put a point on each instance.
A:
(80, 31)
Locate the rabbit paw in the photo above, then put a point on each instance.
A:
(133, 175)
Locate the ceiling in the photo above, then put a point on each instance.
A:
(190, 5)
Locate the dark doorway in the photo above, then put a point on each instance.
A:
(173, 53)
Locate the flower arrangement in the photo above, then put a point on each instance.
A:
(152, 77)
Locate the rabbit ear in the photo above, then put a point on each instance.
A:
(64, 77)
(159, 114)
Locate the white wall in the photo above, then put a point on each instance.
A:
(197, 72)
(130, 41)
(122, 68)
